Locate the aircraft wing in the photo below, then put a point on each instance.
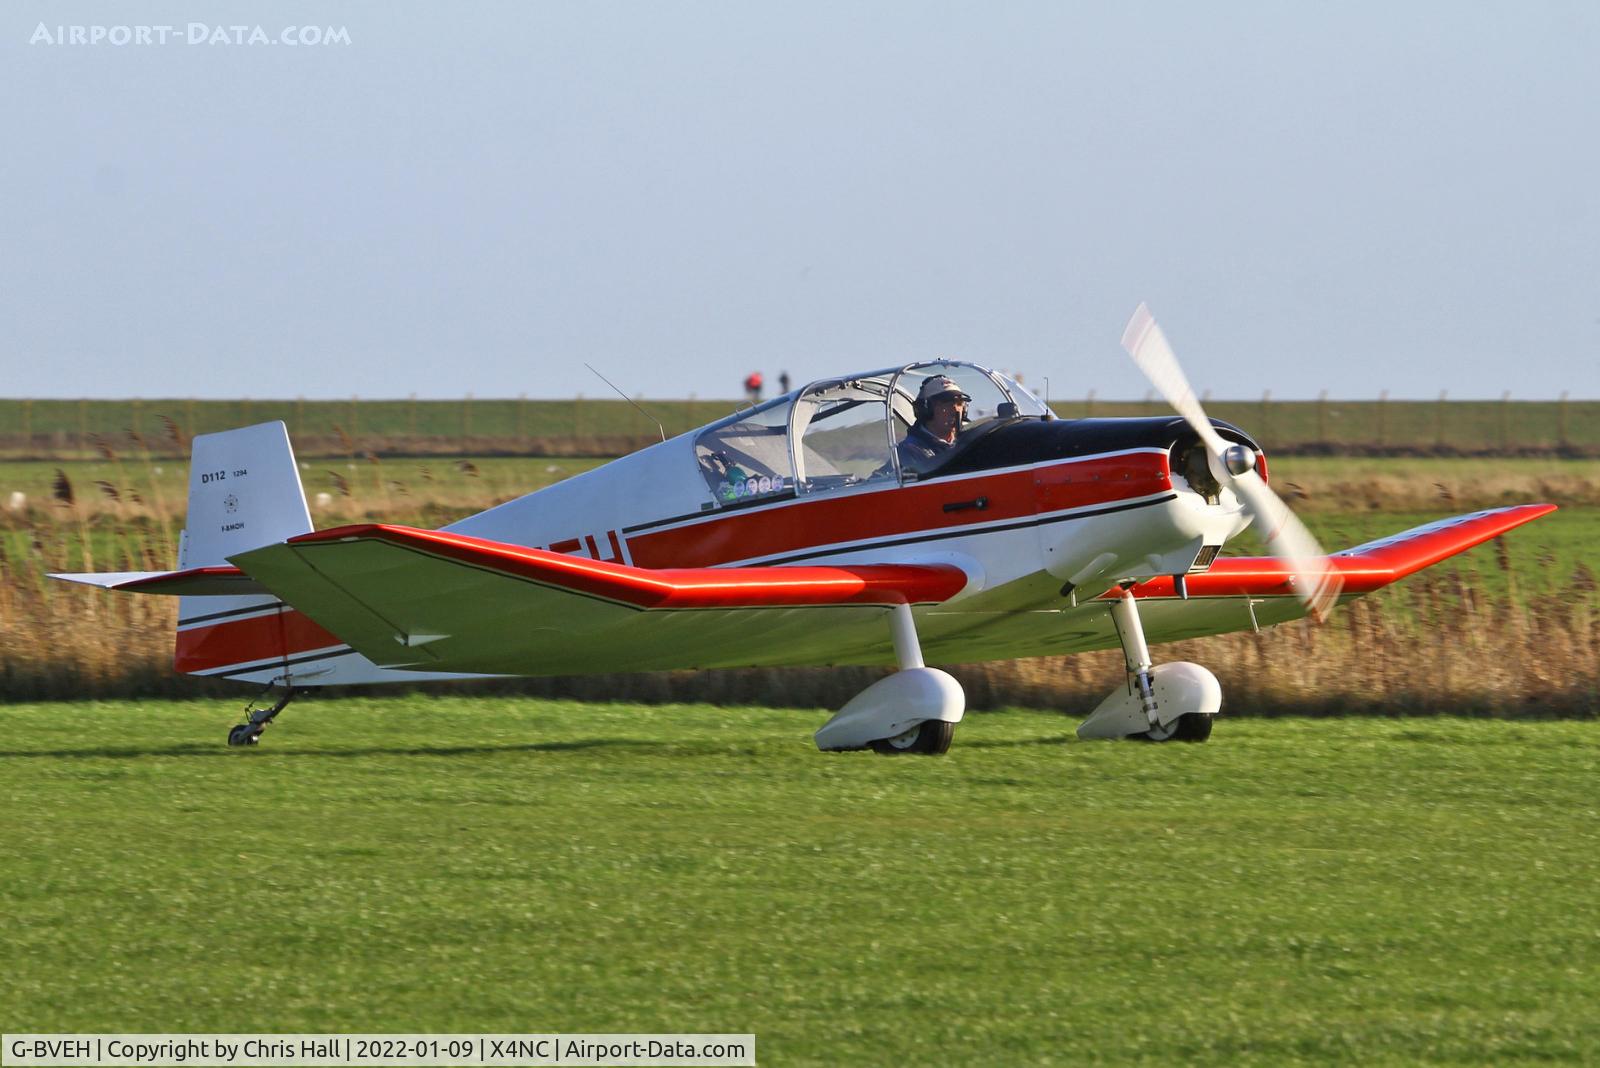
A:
(431, 600)
(1237, 592)
(1364, 568)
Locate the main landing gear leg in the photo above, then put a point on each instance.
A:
(256, 719)
(1159, 703)
(1136, 653)
(915, 710)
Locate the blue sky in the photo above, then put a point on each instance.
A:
(1353, 197)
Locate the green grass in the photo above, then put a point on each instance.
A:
(1373, 892)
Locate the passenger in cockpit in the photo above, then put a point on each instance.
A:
(941, 408)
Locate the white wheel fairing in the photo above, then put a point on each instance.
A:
(1180, 688)
(894, 707)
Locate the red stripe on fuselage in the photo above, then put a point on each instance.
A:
(896, 510)
(242, 641)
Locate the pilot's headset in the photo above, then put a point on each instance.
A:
(934, 387)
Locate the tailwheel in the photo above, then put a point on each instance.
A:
(1189, 727)
(256, 719)
(244, 734)
(931, 737)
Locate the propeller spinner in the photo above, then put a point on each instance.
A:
(1234, 466)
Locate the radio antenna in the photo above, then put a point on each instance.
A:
(629, 399)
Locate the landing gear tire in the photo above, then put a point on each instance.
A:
(1191, 727)
(244, 734)
(931, 737)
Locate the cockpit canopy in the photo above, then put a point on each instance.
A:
(845, 432)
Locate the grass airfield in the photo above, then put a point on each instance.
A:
(1372, 891)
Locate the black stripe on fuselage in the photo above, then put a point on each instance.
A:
(233, 612)
(267, 665)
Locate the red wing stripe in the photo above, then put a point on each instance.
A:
(1364, 568)
(674, 588)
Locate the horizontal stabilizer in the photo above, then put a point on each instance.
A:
(219, 581)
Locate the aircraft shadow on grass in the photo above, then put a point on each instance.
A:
(344, 754)
(1019, 743)
(640, 745)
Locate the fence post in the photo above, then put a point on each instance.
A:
(466, 421)
(138, 417)
(1383, 412)
(188, 417)
(522, 416)
(1266, 412)
(83, 425)
(299, 417)
(352, 418)
(1561, 419)
(577, 416)
(1505, 420)
(27, 426)
(1438, 419)
(1088, 405)
(1322, 416)
(411, 416)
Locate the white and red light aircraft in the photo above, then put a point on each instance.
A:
(792, 533)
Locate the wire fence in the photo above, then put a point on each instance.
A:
(581, 426)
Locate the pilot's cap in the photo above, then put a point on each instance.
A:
(936, 386)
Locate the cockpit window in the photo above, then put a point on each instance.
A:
(846, 432)
(747, 455)
(1028, 406)
(841, 434)
(993, 399)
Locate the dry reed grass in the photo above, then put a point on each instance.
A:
(420, 489)
(1432, 645)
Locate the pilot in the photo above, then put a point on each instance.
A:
(941, 408)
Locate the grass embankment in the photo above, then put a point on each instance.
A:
(1509, 629)
(1293, 891)
(77, 429)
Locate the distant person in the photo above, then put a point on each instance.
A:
(783, 381)
(752, 387)
(941, 408)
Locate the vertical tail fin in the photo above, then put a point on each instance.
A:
(244, 492)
